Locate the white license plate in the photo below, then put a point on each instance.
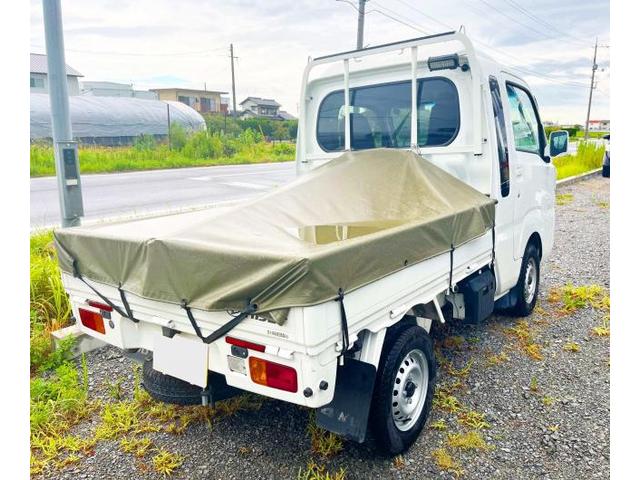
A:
(181, 358)
(237, 364)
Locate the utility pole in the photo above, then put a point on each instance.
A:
(593, 75)
(233, 80)
(360, 23)
(65, 149)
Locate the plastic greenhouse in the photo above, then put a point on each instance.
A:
(113, 120)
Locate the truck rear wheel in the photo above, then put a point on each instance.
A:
(528, 283)
(404, 390)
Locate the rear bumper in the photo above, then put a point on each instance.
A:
(125, 334)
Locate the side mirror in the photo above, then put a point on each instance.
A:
(558, 142)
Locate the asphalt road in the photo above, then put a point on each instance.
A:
(135, 193)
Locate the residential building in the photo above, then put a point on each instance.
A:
(113, 89)
(259, 107)
(203, 101)
(599, 125)
(38, 76)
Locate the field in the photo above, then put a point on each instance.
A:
(199, 149)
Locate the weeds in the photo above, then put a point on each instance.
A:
(564, 198)
(497, 359)
(461, 372)
(445, 462)
(472, 419)
(166, 462)
(472, 440)
(319, 472)
(547, 400)
(324, 443)
(524, 337)
(533, 384)
(136, 446)
(602, 330)
(573, 298)
(445, 402)
(440, 425)
(571, 347)
(399, 462)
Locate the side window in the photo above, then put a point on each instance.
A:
(381, 115)
(526, 129)
(501, 134)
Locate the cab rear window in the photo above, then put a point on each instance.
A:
(381, 115)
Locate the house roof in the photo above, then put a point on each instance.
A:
(39, 65)
(189, 90)
(285, 115)
(263, 102)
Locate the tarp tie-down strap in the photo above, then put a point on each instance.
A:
(126, 305)
(250, 309)
(451, 268)
(76, 273)
(344, 326)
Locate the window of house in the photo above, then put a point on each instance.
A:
(381, 115)
(37, 82)
(501, 135)
(205, 104)
(524, 120)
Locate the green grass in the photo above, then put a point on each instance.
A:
(588, 157)
(49, 304)
(199, 149)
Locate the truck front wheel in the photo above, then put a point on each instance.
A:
(528, 283)
(404, 390)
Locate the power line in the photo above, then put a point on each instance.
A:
(139, 54)
(542, 21)
(550, 78)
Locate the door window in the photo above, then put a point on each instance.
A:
(524, 120)
(501, 135)
(381, 115)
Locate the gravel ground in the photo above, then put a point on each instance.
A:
(558, 431)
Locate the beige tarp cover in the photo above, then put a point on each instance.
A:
(358, 218)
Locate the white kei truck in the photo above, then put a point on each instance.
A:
(425, 193)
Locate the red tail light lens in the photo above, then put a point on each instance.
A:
(243, 343)
(273, 375)
(92, 320)
(101, 306)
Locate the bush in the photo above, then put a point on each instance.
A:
(178, 136)
(588, 157)
(203, 145)
(144, 142)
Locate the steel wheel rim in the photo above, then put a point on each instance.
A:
(410, 390)
(530, 281)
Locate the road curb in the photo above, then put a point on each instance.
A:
(578, 178)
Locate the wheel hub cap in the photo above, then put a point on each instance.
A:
(410, 390)
(530, 281)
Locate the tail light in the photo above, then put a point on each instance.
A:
(92, 320)
(101, 306)
(243, 343)
(273, 375)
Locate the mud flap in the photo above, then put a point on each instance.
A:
(348, 413)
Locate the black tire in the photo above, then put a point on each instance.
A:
(168, 389)
(389, 438)
(525, 301)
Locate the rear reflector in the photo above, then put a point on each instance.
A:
(243, 343)
(101, 306)
(92, 320)
(273, 375)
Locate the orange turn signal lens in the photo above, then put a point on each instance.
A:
(273, 375)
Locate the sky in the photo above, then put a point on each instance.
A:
(163, 43)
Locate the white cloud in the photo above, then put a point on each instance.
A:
(273, 40)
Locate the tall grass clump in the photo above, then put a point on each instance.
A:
(588, 157)
(49, 305)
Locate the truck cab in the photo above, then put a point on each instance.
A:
(471, 117)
